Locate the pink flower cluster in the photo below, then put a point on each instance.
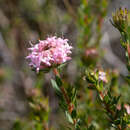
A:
(102, 76)
(49, 52)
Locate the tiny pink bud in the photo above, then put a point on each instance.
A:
(127, 107)
(102, 76)
(90, 52)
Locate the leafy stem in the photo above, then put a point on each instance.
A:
(66, 97)
(107, 107)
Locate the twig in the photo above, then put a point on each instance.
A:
(70, 9)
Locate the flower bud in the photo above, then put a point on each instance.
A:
(120, 19)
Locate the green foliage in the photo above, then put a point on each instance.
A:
(17, 126)
(55, 86)
(118, 117)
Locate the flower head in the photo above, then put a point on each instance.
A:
(49, 52)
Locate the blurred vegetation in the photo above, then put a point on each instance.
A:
(81, 22)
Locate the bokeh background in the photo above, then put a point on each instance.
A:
(22, 21)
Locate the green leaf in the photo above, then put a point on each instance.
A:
(61, 66)
(117, 122)
(77, 127)
(91, 127)
(128, 67)
(115, 100)
(63, 104)
(69, 117)
(58, 81)
(55, 86)
(70, 91)
(39, 126)
(128, 31)
(123, 124)
(17, 125)
(74, 95)
(100, 86)
(90, 80)
(74, 114)
(109, 94)
(106, 98)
